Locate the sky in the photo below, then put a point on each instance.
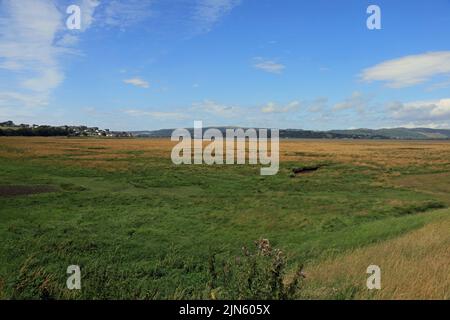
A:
(152, 64)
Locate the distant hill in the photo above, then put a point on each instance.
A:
(394, 133)
(8, 128)
(399, 133)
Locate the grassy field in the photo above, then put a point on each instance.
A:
(141, 227)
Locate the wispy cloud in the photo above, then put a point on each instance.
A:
(200, 16)
(274, 108)
(123, 14)
(28, 30)
(208, 12)
(357, 101)
(16, 99)
(410, 70)
(156, 114)
(88, 8)
(203, 14)
(423, 124)
(267, 65)
(33, 40)
(212, 107)
(318, 104)
(137, 82)
(68, 40)
(439, 85)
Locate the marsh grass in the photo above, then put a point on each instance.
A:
(141, 227)
(413, 266)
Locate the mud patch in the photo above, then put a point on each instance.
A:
(15, 191)
(304, 170)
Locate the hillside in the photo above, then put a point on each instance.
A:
(399, 133)
(8, 128)
(394, 133)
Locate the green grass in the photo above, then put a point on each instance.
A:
(149, 232)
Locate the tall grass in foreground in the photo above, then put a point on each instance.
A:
(413, 266)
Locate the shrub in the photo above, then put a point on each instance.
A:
(256, 274)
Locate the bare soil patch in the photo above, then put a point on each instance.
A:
(14, 190)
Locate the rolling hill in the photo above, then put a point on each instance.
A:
(392, 133)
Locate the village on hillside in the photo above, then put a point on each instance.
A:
(9, 128)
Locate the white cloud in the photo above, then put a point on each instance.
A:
(27, 31)
(268, 65)
(47, 80)
(215, 108)
(424, 124)
(410, 70)
(433, 110)
(273, 108)
(33, 39)
(269, 108)
(138, 82)
(88, 8)
(68, 40)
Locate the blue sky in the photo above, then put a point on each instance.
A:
(153, 64)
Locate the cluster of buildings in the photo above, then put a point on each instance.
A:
(73, 131)
(84, 131)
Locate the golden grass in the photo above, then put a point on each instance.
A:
(384, 153)
(92, 153)
(95, 152)
(413, 266)
(42, 147)
(436, 184)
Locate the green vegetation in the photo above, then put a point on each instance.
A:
(152, 230)
(44, 131)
